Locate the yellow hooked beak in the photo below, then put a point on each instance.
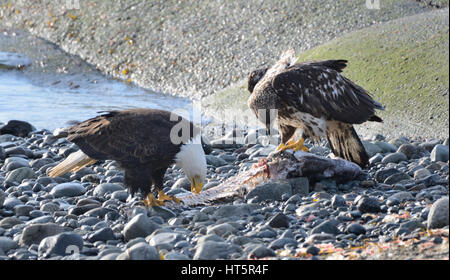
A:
(196, 185)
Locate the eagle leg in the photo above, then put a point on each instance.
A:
(152, 201)
(163, 197)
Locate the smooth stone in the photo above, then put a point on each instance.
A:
(212, 250)
(103, 234)
(401, 196)
(139, 226)
(338, 201)
(261, 251)
(355, 228)
(15, 165)
(279, 220)
(421, 173)
(164, 240)
(438, 215)
(313, 250)
(209, 237)
(33, 234)
(281, 242)
(382, 175)
(49, 207)
(215, 161)
(376, 159)
(140, 251)
(329, 227)
(174, 256)
(23, 210)
(7, 244)
(440, 153)
(221, 229)
(409, 150)
(89, 221)
(395, 178)
(386, 147)
(320, 237)
(368, 205)
(11, 202)
(41, 220)
(16, 127)
(182, 183)
(162, 212)
(63, 244)
(80, 210)
(270, 191)
(68, 190)
(238, 210)
(104, 188)
(19, 174)
(9, 222)
(120, 195)
(394, 158)
(371, 149)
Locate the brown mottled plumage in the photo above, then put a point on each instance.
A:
(317, 99)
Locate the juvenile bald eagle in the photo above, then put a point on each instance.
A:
(144, 142)
(315, 98)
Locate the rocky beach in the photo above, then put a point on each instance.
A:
(397, 208)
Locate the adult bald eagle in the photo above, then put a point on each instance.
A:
(144, 142)
(315, 98)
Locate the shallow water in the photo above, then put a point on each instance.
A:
(52, 106)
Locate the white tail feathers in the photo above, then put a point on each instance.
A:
(74, 162)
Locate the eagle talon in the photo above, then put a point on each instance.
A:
(294, 145)
(164, 197)
(152, 201)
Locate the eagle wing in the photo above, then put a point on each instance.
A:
(321, 91)
(337, 65)
(132, 135)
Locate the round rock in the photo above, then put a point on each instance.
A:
(438, 215)
(68, 190)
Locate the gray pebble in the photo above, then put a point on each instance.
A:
(19, 174)
(368, 205)
(140, 251)
(438, 215)
(440, 153)
(104, 188)
(139, 226)
(279, 220)
(261, 251)
(103, 234)
(270, 191)
(394, 158)
(62, 244)
(212, 250)
(7, 244)
(68, 190)
(355, 228)
(164, 240)
(33, 234)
